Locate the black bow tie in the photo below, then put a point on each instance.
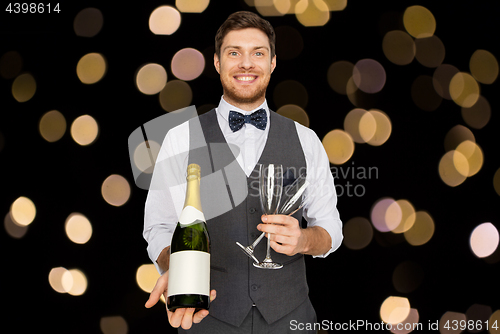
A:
(257, 119)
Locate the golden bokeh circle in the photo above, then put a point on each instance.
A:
(24, 87)
(84, 130)
(115, 190)
(91, 68)
(52, 126)
(421, 231)
(339, 146)
(419, 22)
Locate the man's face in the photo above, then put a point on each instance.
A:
(245, 67)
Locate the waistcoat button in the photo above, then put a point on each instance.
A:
(252, 210)
(254, 287)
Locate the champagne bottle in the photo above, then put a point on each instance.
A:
(189, 267)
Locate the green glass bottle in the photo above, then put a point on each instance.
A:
(189, 266)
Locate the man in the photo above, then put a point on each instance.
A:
(249, 299)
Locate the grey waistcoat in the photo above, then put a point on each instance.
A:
(238, 283)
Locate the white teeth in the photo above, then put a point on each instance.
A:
(245, 78)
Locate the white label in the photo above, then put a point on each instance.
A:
(189, 215)
(189, 273)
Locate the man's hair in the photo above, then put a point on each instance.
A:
(243, 20)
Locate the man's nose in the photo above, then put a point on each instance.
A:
(246, 62)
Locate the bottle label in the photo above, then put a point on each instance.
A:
(189, 273)
(190, 215)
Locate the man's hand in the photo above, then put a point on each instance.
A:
(287, 237)
(184, 317)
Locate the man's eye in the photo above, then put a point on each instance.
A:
(258, 53)
(233, 53)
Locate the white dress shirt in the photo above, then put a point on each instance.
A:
(163, 207)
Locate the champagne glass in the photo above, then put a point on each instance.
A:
(270, 189)
(293, 198)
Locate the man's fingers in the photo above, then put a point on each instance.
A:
(158, 290)
(213, 294)
(175, 318)
(187, 319)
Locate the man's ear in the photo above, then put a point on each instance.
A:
(273, 64)
(216, 63)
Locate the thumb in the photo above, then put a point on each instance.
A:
(158, 290)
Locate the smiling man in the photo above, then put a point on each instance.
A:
(249, 299)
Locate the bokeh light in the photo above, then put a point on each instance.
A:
(474, 155)
(495, 318)
(24, 87)
(145, 155)
(272, 7)
(484, 66)
(146, 277)
(422, 230)
(113, 325)
(419, 22)
(448, 168)
(441, 79)
(78, 228)
(430, 51)
(382, 218)
(188, 64)
(11, 64)
(80, 283)
(484, 240)
(410, 324)
(14, 230)
(451, 318)
(399, 47)
(477, 314)
(151, 79)
(338, 75)
(496, 181)
(361, 125)
(464, 89)
(339, 146)
(23, 211)
(290, 92)
(115, 190)
(177, 94)
(52, 126)
(394, 310)
(383, 129)
(369, 76)
(407, 276)
(91, 68)
(407, 215)
(295, 113)
(312, 13)
(336, 5)
(457, 135)
(59, 280)
(358, 233)
(164, 20)
(189, 6)
(84, 130)
(478, 115)
(88, 22)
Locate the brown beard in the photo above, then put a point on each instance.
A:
(239, 99)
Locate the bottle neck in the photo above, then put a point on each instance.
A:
(193, 193)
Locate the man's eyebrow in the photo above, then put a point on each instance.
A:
(239, 47)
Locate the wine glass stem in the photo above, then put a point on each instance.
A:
(268, 254)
